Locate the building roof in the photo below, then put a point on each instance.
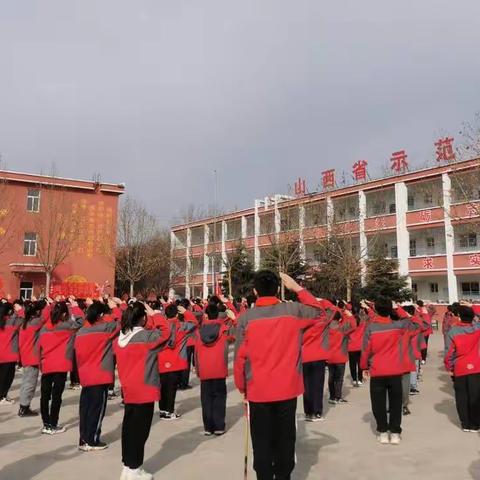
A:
(37, 179)
(376, 184)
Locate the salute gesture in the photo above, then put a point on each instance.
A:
(289, 283)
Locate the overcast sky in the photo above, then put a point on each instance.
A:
(158, 94)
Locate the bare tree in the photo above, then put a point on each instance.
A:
(137, 230)
(8, 209)
(56, 228)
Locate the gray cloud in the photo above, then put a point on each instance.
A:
(159, 94)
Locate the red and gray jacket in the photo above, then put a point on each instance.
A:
(338, 332)
(316, 339)
(55, 343)
(173, 357)
(9, 339)
(94, 352)
(462, 347)
(427, 317)
(268, 350)
(28, 342)
(385, 347)
(211, 350)
(356, 337)
(137, 361)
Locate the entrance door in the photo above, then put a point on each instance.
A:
(26, 290)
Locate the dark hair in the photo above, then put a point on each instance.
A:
(383, 306)
(341, 304)
(33, 310)
(466, 314)
(212, 311)
(95, 311)
(420, 303)
(133, 316)
(155, 305)
(59, 313)
(214, 299)
(6, 309)
(337, 315)
(222, 308)
(171, 311)
(251, 299)
(185, 303)
(266, 283)
(410, 309)
(455, 307)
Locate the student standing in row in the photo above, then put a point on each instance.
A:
(462, 361)
(56, 359)
(137, 360)
(355, 347)
(96, 369)
(268, 370)
(29, 333)
(211, 363)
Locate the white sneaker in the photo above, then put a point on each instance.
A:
(395, 439)
(7, 401)
(172, 416)
(383, 438)
(136, 474)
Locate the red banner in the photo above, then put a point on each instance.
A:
(77, 289)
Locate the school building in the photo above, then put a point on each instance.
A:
(85, 229)
(427, 219)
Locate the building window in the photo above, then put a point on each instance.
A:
(430, 244)
(411, 202)
(33, 200)
(414, 287)
(470, 288)
(393, 208)
(468, 240)
(379, 208)
(428, 198)
(394, 252)
(250, 226)
(30, 244)
(413, 248)
(26, 290)
(434, 288)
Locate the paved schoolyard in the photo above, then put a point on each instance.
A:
(341, 448)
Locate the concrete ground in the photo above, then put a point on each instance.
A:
(343, 447)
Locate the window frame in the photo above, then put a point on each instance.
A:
(35, 200)
(27, 244)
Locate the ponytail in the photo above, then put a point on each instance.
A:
(59, 313)
(133, 316)
(5, 311)
(33, 310)
(95, 311)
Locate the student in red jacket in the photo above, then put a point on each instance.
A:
(211, 363)
(355, 346)
(56, 359)
(172, 360)
(462, 360)
(268, 370)
(184, 383)
(137, 360)
(383, 360)
(29, 354)
(96, 369)
(423, 312)
(9, 325)
(338, 332)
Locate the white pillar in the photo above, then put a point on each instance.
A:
(278, 221)
(301, 226)
(244, 226)
(188, 263)
(330, 215)
(206, 260)
(449, 239)
(224, 239)
(256, 234)
(403, 239)
(171, 290)
(362, 214)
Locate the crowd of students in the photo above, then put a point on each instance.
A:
(282, 350)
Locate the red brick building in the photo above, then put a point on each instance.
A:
(27, 204)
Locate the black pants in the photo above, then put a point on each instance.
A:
(314, 381)
(74, 378)
(336, 372)
(467, 399)
(93, 402)
(185, 375)
(425, 350)
(355, 371)
(137, 420)
(7, 374)
(169, 384)
(273, 431)
(380, 387)
(52, 386)
(213, 394)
